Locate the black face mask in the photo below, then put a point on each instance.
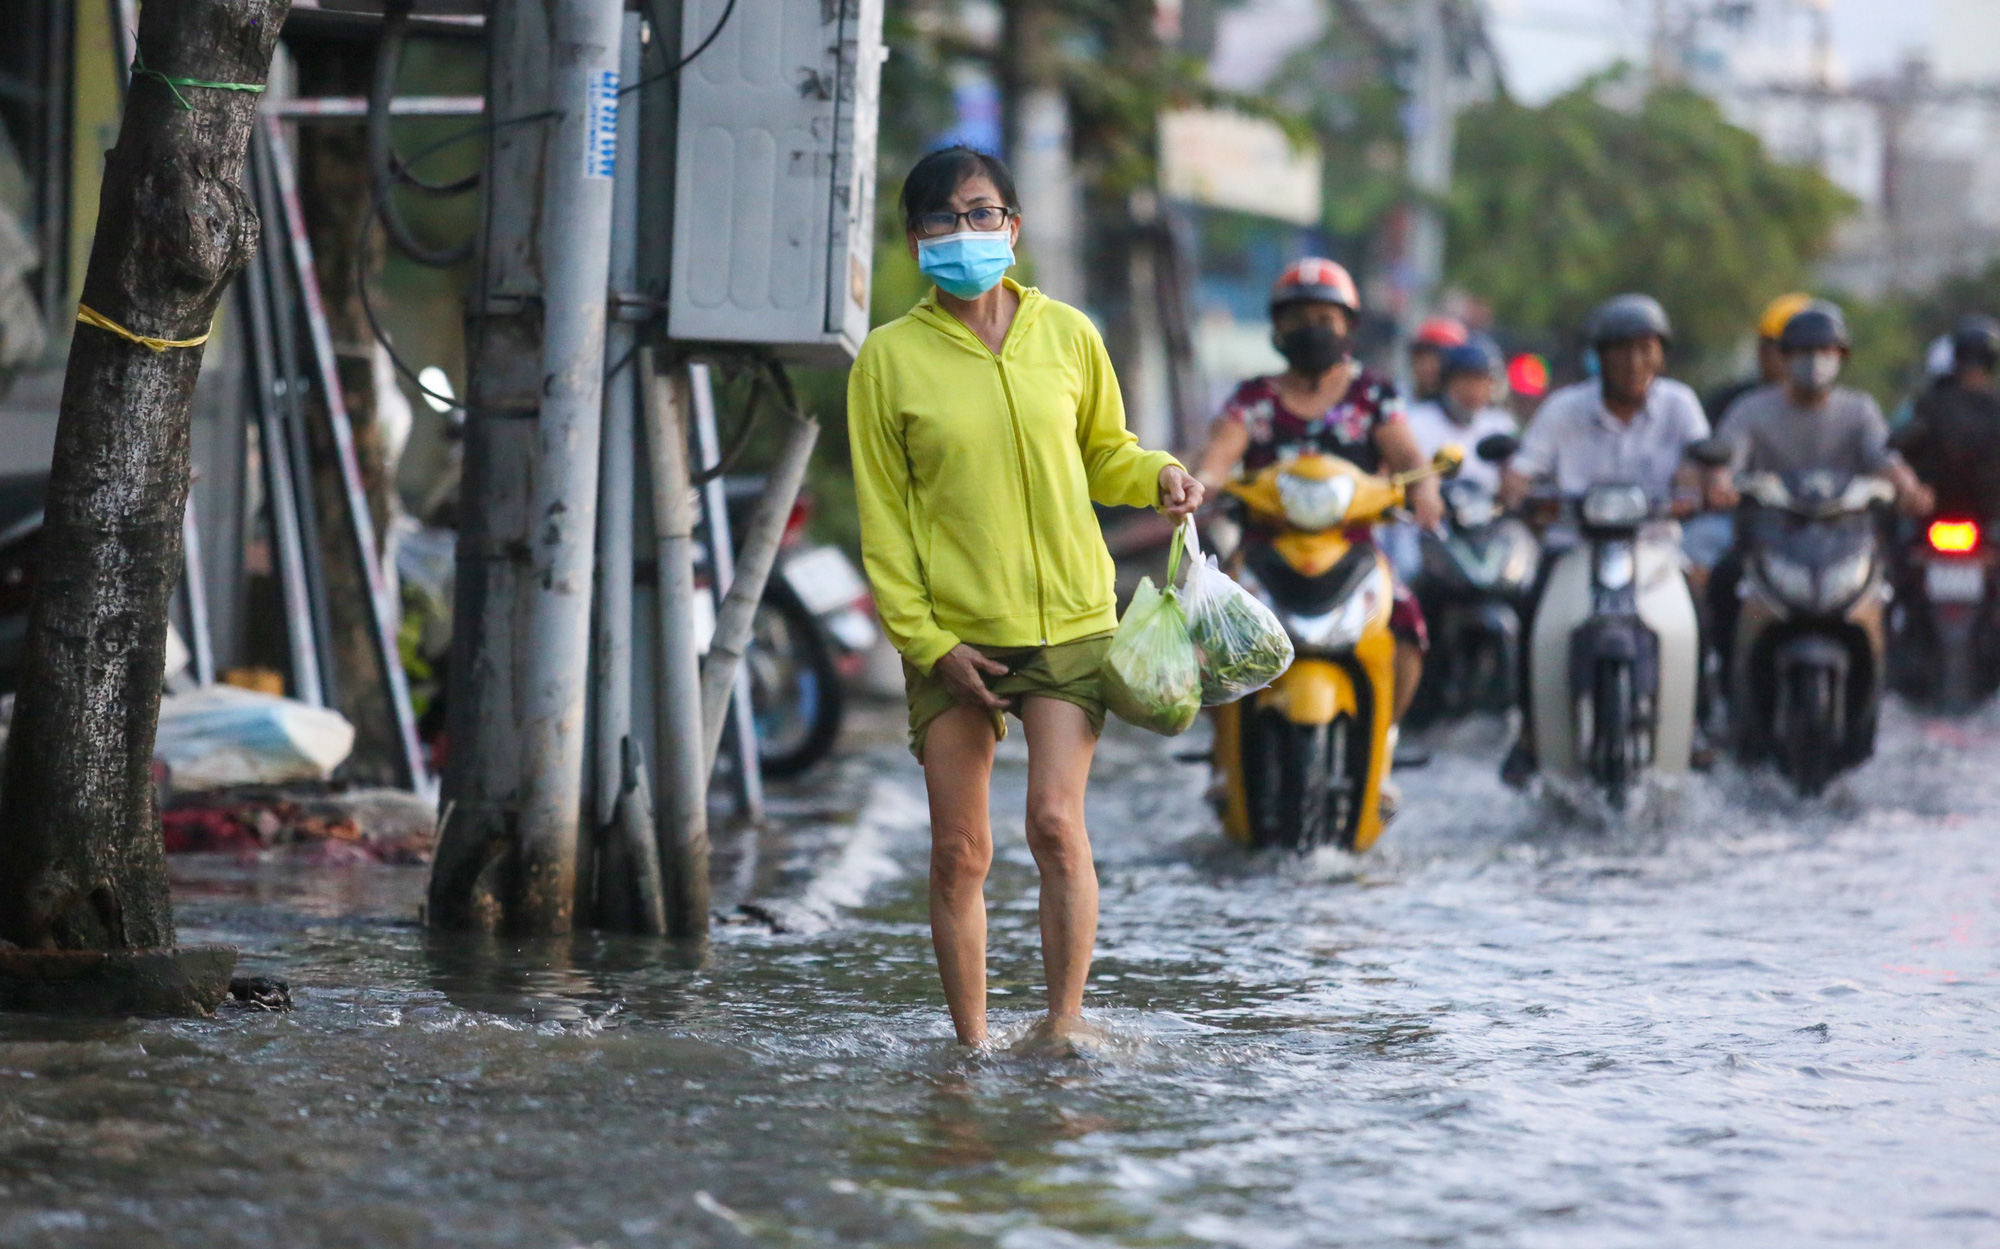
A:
(1312, 349)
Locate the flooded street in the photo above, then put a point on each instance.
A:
(1736, 1024)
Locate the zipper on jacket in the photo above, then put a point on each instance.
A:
(1027, 502)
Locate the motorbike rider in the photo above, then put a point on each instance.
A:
(1770, 357)
(1464, 411)
(1952, 441)
(1326, 401)
(1807, 423)
(1630, 425)
(1434, 337)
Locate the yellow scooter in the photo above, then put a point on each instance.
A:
(1303, 759)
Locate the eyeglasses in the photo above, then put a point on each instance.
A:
(984, 218)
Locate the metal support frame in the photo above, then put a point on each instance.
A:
(194, 590)
(747, 772)
(384, 612)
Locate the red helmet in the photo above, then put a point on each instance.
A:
(1440, 332)
(1316, 280)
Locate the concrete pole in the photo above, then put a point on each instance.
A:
(721, 573)
(684, 762)
(576, 251)
(622, 860)
(1431, 132)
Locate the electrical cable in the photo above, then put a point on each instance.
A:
(398, 168)
(377, 191)
(738, 442)
(386, 171)
(674, 70)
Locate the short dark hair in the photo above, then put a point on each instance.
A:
(933, 180)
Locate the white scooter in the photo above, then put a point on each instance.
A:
(1615, 651)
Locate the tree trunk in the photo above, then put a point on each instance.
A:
(82, 866)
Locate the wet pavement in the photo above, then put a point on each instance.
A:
(1737, 1021)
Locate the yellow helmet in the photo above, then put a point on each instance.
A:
(1779, 311)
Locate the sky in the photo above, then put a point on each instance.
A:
(1547, 46)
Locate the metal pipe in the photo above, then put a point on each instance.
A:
(733, 620)
(355, 107)
(383, 612)
(611, 663)
(683, 763)
(194, 584)
(576, 259)
(749, 768)
(289, 395)
(275, 455)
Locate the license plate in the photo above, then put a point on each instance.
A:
(824, 579)
(1955, 581)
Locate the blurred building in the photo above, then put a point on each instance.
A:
(1918, 148)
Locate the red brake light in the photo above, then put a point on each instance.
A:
(1953, 537)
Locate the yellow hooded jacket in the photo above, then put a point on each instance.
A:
(975, 473)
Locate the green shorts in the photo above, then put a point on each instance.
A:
(1066, 671)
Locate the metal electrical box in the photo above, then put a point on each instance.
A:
(774, 201)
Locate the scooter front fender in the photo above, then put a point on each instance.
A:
(1311, 691)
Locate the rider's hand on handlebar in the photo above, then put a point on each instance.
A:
(1427, 505)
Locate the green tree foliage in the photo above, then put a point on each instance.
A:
(1555, 208)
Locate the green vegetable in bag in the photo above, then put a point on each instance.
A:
(1151, 677)
(1242, 645)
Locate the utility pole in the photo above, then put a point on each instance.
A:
(507, 856)
(82, 863)
(1431, 130)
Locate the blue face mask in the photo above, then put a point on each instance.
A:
(967, 264)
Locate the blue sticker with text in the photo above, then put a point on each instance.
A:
(600, 129)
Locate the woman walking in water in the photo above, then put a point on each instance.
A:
(984, 423)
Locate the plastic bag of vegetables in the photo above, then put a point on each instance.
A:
(1151, 677)
(1241, 643)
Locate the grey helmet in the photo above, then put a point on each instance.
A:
(1625, 317)
(1976, 340)
(1819, 326)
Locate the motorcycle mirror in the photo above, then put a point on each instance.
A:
(1497, 447)
(1710, 453)
(1448, 460)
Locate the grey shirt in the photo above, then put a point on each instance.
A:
(1577, 443)
(1768, 433)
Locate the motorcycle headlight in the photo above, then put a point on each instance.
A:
(1616, 564)
(1611, 507)
(1844, 580)
(1792, 581)
(1315, 505)
(1523, 553)
(1343, 626)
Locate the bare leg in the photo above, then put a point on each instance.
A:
(1060, 744)
(958, 763)
(1409, 672)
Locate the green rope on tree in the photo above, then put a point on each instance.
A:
(174, 85)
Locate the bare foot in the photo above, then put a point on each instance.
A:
(1061, 1036)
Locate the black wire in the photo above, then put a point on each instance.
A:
(734, 451)
(674, 70)
(361, 252)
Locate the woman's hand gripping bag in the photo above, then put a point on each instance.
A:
(1242, 645)
(1151, 677)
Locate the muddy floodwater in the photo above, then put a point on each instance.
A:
(1738, 1021)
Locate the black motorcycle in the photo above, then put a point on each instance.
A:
(1806, 665)
(1473, 586)
(1945, 626)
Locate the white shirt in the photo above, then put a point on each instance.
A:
(1433, 428)
(1575, 442)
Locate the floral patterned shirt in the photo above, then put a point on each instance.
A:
(1346, 430)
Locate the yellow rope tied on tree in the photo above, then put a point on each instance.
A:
(91, 316)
